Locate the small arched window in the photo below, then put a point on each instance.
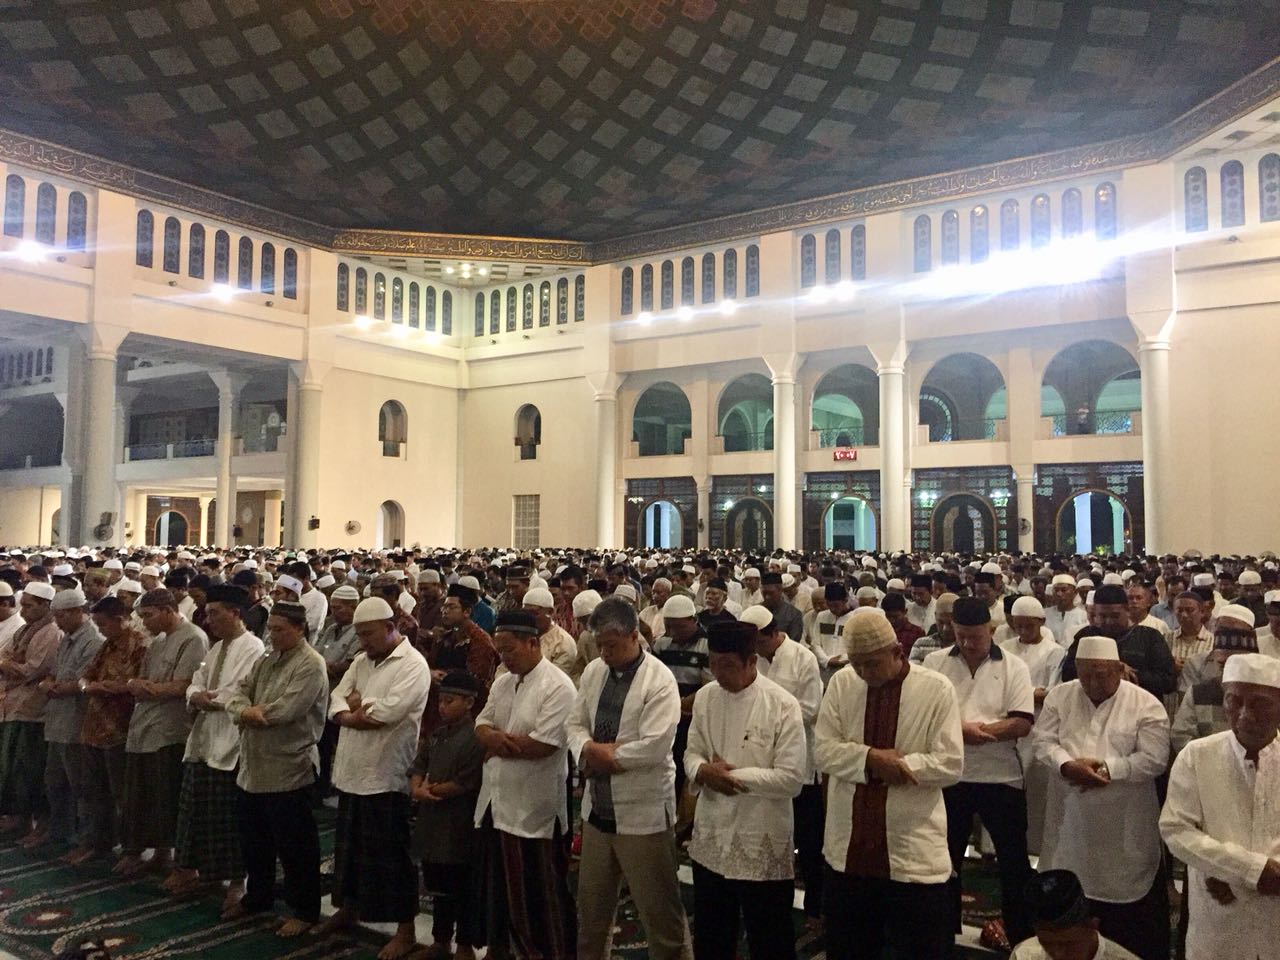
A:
(628, 291)
(831, 273)
(511, 309)
(526, 307)
(362, 291)
(950, 237)
(479, 314)
(495, 312)
(46, 212)
(1072, 213)
(1041, 222)
(922, 243)
(1269, 187)
(1104, 209)
(446, 313)
(244, 265)
(686, 282)
(290, 273)
(1232, 180)
(729, 274)
(544, 303)
(429, 309)
(415, 300)
(344, 282)
(397, 300)
(528, 431)
(1010, 228)
(562, 300)
(668, 285)
(808, 260)
(221, 257)
(393, 428)
(77, 220)
(979, 236)
(15, 202)
(195, 251)
(143, 247)
(171, 258)
(708, 278)
(646, 287)
(267, 280)
(858, 252)
(580, 298)
(379, 297)
(753, 270)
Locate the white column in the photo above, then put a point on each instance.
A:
(100, 523)
(1026, 507)
(271, 519)
(229, 386)
(606, 465)
(704, 513)
(1153, 361)
(784, 461)
(893, 516)
(204, 519)
(290, 458)
(307, 487)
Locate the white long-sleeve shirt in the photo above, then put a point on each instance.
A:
(1222, 818)
(928, 736)
(795, 669)
(759, 732)
(1063, 626)
(214, 738)
(1107, 837)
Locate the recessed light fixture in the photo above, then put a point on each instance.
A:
(644, 316)
(363, 321)
(30, 252)
(728, 307)
(222, 292)
(685, 313)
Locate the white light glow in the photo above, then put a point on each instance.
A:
(845, 291)
(223, 292)
(483, 271)
(449, 270)
(30, 252)
(728, 307)
(644, 316)
(728, 504)
(399, 331)
(685, 313)
(363, 322)
(819, 295)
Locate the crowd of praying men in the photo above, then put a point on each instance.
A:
(847, 731)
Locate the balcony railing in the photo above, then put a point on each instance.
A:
(194, 448)
(841, 437)
(983, 429)
(148, 451)
(1100, 423)
(29, 461)
(743, 442)
(180, 450)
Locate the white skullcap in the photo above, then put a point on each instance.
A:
(326, 581)
(469, 581)
(128, 586)
(133, 565)
(1126, 575)
(651, 564)
(289, 583)
(345, 592)
(149, 571)
(1085, 582)
(1256, 668)
(251, 564)
(1097, 648)
(895, 584)
(869, 563)
(626, 591)
(1112, 580)
(113, 564)
(1027, 607)
(1202, 580)
(689, 568)
(372, 608)
(537, 583)
(186, 555)
(1088, 600)
(5, 590)
(63, 570)
(664, 582)
(751, 572)
(619, 557)
(990, 567)
(865, 593)
(397, 574)
(1250, 578)
(793, 568)
(677, 607)
(429, 576)
(42, 591)
(539, 597)
(756, 615)
(68, 600)
(1236, 611)
(585, 603)
(1063, 579)
(788, 580)
(338, 565)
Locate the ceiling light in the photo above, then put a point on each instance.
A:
(448, 270)
(728, 307)
(685, 313)
(363, 321)
(644, 316)
(846, 290)
(30, 252)
(483, 271)
(223, 292)
(819, 295)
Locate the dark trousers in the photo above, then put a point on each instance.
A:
(810, 821)
(457, 902)
(721, 906)
(280, 825)
(1003, 811)
(1141, 927)
(104, 795)
(327, 745)
(869, 919)
(678, 747)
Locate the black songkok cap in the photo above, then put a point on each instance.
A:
(970, 612)
(228, 593)
(466, 596)
(835, 591)
(461, 683)
(1109, 593)
(732, 636)
(718, 584)
(516, 621)
(771, 577)
(1056, 900)
(921, 580)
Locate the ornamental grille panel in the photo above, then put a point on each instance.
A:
(680, 491)
(1057, 483)
(964, 509)
(821, 490)
(742, 512)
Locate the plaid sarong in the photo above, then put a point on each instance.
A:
(372, 870)
(22, 760)
(152, 784)
(208, 837)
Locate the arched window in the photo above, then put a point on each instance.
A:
(290, 273)
(46, 212)
(344, 282)
(145, 239)
(244, 266)
(415, 295)
(511, 309)
(526, 307)
(923, 244)
(686, 282)
(1072, 213)
(221, 257)
(831, 272)
(729, 281)
(1195, 199)
(628, 291)
(479, 314)
(1010, 229)
(15, 202)
(744, 414)
(668, 285)
(1041, 222)
(446, 313)
(397, 300)
(979, 236)
(362, 291)
(544, 303)
(393, 428)
(708, 278)
(858, 252)
(662, 421)
(1269, 187)
(495, 312)
(528, 431)
(1232, 179)
(753, 270)
(1104, 209)
(808, 260)
(267, 281)
(846, 407)
(77, 220)
(379, 297)
(562, 300)
(195, 251)
(580, 298)
(429, 308)
(172, 254)
(950, 237)
(646, 287)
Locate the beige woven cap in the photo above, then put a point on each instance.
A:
(868, 630)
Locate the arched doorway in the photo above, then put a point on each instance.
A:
(170, 529)
(1094, 521)
(749, 526)
(849, 524)
(963, 523)
(528, 431)
(55, 526)
(393, 428)
(661, 525)
(390, 531)
(1096, 385)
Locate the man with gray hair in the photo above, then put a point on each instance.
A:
(621, 731)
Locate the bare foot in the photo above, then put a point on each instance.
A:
(399, 946)
(233, 911)
(180, 878)
(34, 839)
(12, 824)
(293, 927)
(76, 856)
(343, 920)
(131, 865)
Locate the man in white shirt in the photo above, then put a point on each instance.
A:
(1142, 597)
(889, 740)
(997, 708)
(1268, 636)
(1105, 741)
(920, 609)
(523, 805)
(1067, 615)
(621, 731)
(828, 625)
(10, 621)
(746, 757)
(1064, 928)
(557, 646)
(1220, 819)
(377, 706)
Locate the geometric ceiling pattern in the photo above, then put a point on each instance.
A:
(598, 119)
